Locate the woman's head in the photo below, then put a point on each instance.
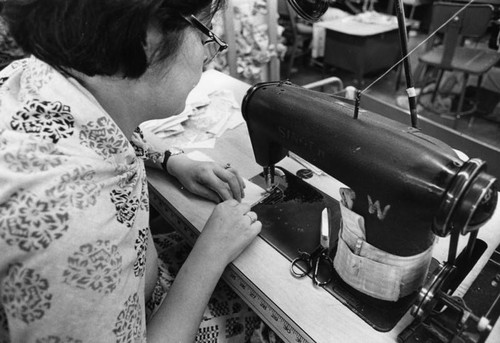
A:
(103, 37)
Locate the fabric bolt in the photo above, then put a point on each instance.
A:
(373, 271)
(74, 221)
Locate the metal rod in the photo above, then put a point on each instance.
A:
(452, 252)
(471, 245)
(356, 104)
(410, 89)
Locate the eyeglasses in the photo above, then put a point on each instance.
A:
(213, 45)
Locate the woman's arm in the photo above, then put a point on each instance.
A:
(229, 230)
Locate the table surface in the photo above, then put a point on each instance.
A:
(294, 308)
(350, 25)
(353, 26)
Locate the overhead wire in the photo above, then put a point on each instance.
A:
(417, 47)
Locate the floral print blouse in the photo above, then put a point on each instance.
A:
(73, 214)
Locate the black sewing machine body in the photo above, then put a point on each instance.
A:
(408, 187)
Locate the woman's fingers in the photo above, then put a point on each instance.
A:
(252, 216)
(206, 192)
(231, 178)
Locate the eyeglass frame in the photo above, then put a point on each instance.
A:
(212, 37)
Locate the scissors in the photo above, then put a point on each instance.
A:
(319, 261)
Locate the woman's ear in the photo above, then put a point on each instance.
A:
(152, 43)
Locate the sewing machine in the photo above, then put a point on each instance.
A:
(408, 187)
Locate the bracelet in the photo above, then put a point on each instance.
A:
(168, 153)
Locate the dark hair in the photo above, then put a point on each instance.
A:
(101, 37)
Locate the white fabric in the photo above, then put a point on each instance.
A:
(373, 271)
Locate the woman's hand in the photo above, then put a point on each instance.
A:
(228, 231)
(207, 179)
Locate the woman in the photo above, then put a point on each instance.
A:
(78, 263)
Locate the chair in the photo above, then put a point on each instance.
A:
(451, 54)
(298, 35)
(414, 4)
